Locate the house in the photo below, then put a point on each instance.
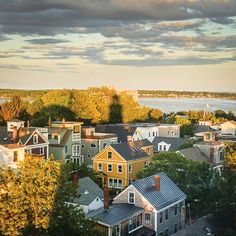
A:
(214, 151)
(65, 140)
(228, 128)
(119, 163)
(90, 194)
(120, 219)
(205, 122)
(16, 140)
(168, 144)
(163, 203)
(139, 131)
(92, 142)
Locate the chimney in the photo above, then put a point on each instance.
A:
(49, 122)
(14, 133)
(106, 198)
(75, 178)
(63, 122)
(157, 179)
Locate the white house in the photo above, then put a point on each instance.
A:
(228, 128)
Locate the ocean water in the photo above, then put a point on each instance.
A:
(168, 105)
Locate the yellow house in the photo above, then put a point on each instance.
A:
(119, 163)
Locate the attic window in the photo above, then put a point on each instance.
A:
(35, 138)
(109, 154)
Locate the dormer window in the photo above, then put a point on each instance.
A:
(35, 138)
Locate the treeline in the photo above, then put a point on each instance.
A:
(92, 106)
(9, 93)
(184, 94)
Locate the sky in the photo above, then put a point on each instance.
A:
(128, 44)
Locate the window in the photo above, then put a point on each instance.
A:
(120, 169)
(104, 145)
(49, 136)
(100, 166)
(109, 168)
(75, 150)
(66, 149)
(82, 146)
(55, 137)
(89, 155)
(41, 151)
(134, 222)
(92, 145)
(76, 133)
(180, 207)
(131, 198)
(130, 168)
(161, 219)
(115, 183)
(164, 147)
(147, 218)
(117, 230)
(15, 156)
(35, 138)
(149, 134)
(172, 133)
(160, 147)
(109, 154)
(153, 134)
(167, 214)
(175, 209)
(148, 151)
(76, 129)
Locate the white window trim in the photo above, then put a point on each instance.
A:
(98, 166)
(128, 197)
(108, 168)
(118, 168)
(145, 213)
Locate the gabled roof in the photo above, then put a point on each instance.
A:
(174, 142)
(128, 151)
(64, 135)
(169, 192)
(140, 143)
(88, 191)
(117, 213)
(23, 134)
(194, 154)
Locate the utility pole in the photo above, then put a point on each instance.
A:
(189, 213)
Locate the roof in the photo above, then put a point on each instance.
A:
(201, 128)
(175, 143)
(143, 232)
(88, 191)
(169, 192)
(140, 143)
(117, 213)
(199, 228)
(122, 131)
(99, 136)
(23, 134)
(128, 151)
(209, 143)
(15, 120)
(63, 132)
(194, 154)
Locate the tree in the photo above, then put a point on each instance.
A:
(32, 200)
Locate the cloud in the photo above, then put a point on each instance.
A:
(47, 41)
(51, 17)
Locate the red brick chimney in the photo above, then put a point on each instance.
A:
(157, 179)
(63, 123)
(106, 198)
(14, 133)
(75, 178)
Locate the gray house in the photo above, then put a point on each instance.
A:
(163, 203)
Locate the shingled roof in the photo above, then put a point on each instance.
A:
(129, 151)
(169, 192)
(88, 191)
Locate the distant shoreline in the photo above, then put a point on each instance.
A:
(182, 97)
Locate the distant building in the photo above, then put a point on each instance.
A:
(92, 142)
(65, 140)
(163, 203)
(139, 131)
(228, 128)
(119, 163)
(17, 140)
(205, 122)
